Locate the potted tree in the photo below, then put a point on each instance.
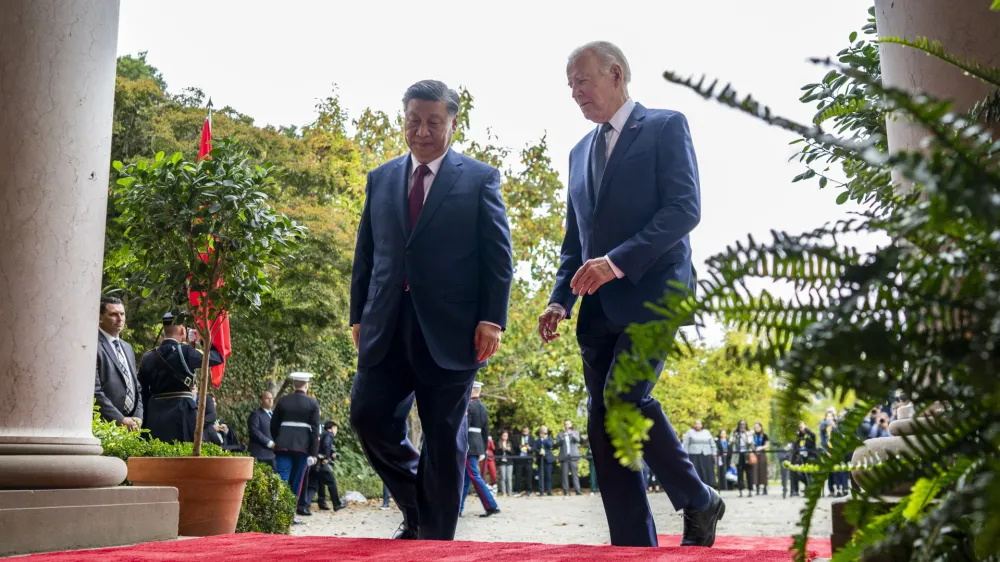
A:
(203, 236)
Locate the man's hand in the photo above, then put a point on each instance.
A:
(130, 423)
(591, 276)
(487, 341)
(549, 321)
(356, 333)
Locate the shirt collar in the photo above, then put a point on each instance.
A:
(618, 120)
(111, 339)
(434, 165)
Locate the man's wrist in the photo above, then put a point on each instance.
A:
(558, 307)
(495, 325)
(614, 268)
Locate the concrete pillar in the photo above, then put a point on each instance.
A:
(966, 28)
(57, 74)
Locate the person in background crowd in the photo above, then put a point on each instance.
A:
(479, 429)
(488, 465)
(837, 481)
(785, 454)
(546, 460)
(805, 451)
(701, 449)
(568, 442)
(321, 476)
(169, 385)
(881, 427)
(524, 449)
(505, 450)
(259, 431)
(865, 429)
(116, 385)
(385, 497)
(295, 427)
(725, 457)
(741, 445)
(760, 444)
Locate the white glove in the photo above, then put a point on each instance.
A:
(310, 461)
(482, 457)
(270, 444)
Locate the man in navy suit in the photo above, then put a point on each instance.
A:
(259, 431)
(633, 200)
(429, 293)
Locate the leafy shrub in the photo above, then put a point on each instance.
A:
(268, 504)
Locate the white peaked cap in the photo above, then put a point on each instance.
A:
(477, 384)
(303, 377)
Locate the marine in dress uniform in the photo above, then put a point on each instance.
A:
(295, 429)
(479, 429)
(166, 378)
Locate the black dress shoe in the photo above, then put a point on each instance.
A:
(490, 512)
(339, 506)
(324, 508)
(699, 526)
(405, 532)
(303, 511)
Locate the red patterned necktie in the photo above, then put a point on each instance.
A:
(416, 202)
(417, 194)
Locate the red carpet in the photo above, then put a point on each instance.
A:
(818, 548)
(261, 548)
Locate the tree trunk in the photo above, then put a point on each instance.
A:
(202, 387)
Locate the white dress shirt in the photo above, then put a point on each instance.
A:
(434, 166)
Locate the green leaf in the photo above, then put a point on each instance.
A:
(215, 208)
(125, 182)
(854, 35)
(995, 6)
(117, 165)
(146, 291)
(177, 157)
(843, 197)
(159, 156)
(822, 182)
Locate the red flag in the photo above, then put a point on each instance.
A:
(220, 330)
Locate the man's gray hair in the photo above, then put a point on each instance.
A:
(432, 90)
(609, 55)
(299, 385)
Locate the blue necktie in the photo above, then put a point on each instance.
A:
(599, 158)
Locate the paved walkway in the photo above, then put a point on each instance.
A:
(573, 519)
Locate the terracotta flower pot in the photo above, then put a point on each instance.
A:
(209, 489)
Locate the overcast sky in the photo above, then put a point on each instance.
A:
(274, 61)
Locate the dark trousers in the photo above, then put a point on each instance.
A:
(744, 473)
(427, 486)
(522, 474)
(321, 480)
(545, 477)
(721, 483)
(292, 469)
(623, 490)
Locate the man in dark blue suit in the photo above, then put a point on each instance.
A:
(633, 200)
(429, 293)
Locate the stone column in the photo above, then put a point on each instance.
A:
(57, 75)
(966, 28)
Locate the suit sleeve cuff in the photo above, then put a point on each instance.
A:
(560, 307)
(618, 273)
(497, 326)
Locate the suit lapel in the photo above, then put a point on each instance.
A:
(588, 176)
(628, 135)
(448, 174)
(399, 180)
(109, 350)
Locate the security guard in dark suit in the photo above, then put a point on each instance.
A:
(166, 376)
(295, 430)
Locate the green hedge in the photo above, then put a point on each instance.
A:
(268, 502)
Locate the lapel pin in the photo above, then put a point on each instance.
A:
(632, 127)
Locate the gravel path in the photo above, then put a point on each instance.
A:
(572, 519)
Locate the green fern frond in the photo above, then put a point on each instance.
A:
(969, 66)
(840, 109)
